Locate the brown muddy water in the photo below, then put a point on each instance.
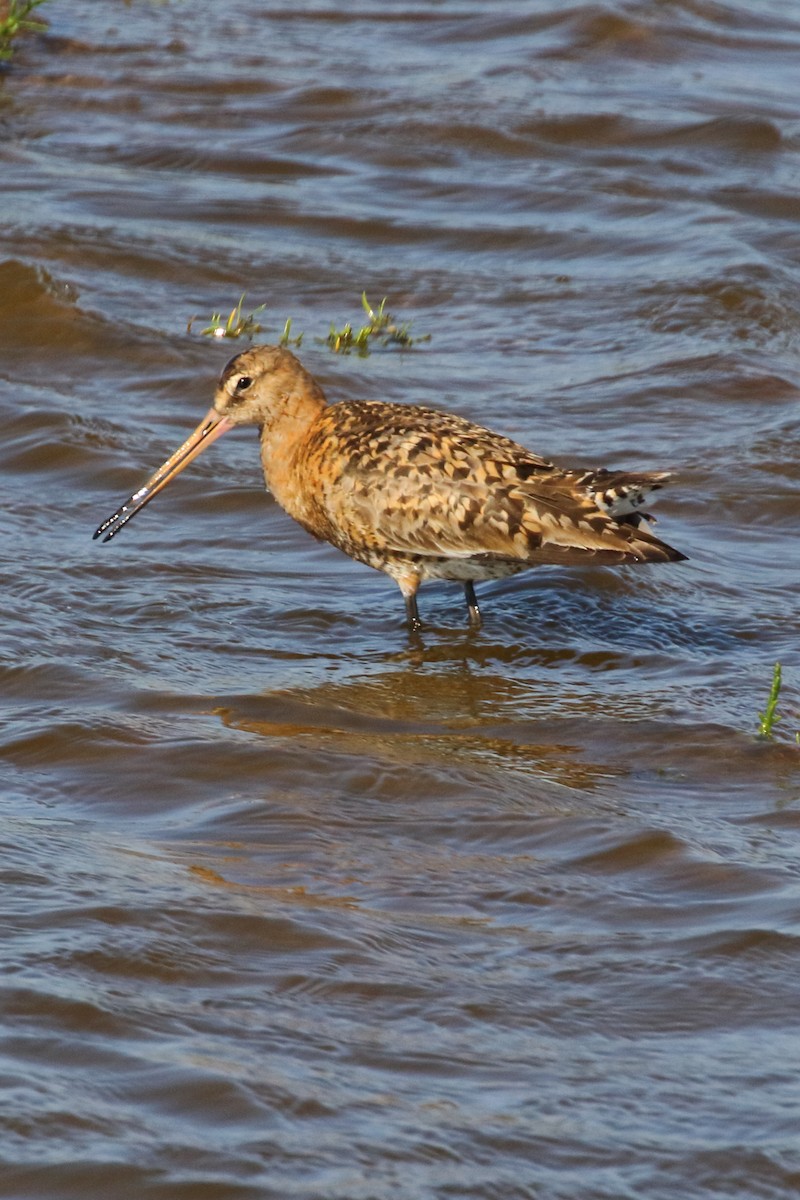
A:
(291, 906)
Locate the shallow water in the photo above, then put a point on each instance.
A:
(298, 908)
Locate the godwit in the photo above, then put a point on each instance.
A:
(416, 493)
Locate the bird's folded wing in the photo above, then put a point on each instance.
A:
(536, 519)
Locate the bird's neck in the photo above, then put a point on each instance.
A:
(282, 440)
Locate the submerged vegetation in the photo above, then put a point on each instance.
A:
(770, 717)
(381, 329)
(14, 20)
(286, 338)
(236, 325)
(770, 714)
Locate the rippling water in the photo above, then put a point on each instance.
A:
(295, 908)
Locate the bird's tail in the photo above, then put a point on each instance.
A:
(624, 496)
(623, 493)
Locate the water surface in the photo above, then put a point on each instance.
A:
(295, 908)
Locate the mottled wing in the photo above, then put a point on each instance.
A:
(430, 484)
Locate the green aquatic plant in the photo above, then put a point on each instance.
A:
(236, 325)
(15, 19)
(286, 339)
(770, 717)
(381, 327)
(342, 341)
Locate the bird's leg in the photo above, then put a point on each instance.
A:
(472, 605)
(412, 612)
(408, 582)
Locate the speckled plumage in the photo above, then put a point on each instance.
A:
(414, 492)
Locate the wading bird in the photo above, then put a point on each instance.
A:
(413, 492)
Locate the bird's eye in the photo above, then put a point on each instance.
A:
(242, 383)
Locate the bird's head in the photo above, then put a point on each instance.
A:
(264, 386)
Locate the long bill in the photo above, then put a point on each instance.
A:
(210, 428)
